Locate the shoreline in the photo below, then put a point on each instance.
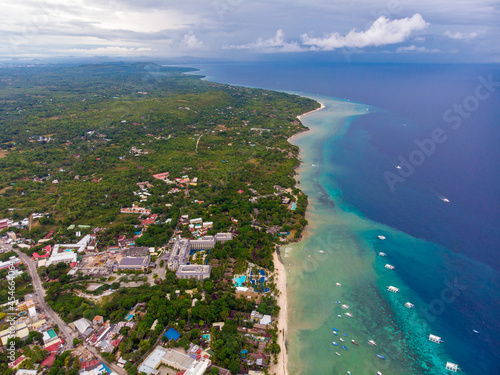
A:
(299, 117)
(281, 367)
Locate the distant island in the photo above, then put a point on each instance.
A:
(141, 209)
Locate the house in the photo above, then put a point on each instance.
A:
(135, 210)
(266, 319)
(98, 320)
(285, 200)
(26, 372)
(162, 176)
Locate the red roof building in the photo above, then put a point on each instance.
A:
(38, 256)
(17, 362)
(49, 361)
(52, 348)
(148, 222)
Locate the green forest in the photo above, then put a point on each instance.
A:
(75, 141)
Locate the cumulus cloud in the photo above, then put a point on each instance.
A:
(414, 48)
(191, 42)
(381, 32)
(277, 43)
(461, 36)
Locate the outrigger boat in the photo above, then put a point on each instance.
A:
(354, 342)
(334, 343)
(380, 356)
(344, 347)
(371, 342)
(338, 353)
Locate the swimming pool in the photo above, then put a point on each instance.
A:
(239, 280)
(129, 317)
(206, 337)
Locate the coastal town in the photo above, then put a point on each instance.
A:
(90, 338)
(154, 268)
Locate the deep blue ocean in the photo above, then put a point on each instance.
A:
(441, 125)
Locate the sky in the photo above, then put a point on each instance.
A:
(247, 30)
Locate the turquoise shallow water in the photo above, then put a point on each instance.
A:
(342, 246)
(445, 253)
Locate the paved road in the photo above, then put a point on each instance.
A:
(112, 366)
(64, 329)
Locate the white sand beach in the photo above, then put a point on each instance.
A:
(281, 368)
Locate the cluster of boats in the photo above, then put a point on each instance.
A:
(391, 288)
(336, 333)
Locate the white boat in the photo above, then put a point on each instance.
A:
(409, 305)
(451, 367)
(392, 289)
(382, 254)
(345, 307)
(389, 266)
(339, 316)
(341, 339)
(398, 166)
(371, 342)
(381, 237)
(348, 314)
(338, 284)
(321, 251)
(445, 200)
(337, 353)
(379, 373)
(435, 339)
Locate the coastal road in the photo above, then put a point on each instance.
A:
(64, 329)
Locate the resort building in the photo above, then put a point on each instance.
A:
(206, 242)
(67, 256)
(179, 254)
(193, 271)
(223, 237)
(199, 367)
(177, 360)
(66, 252)
(134, 263)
